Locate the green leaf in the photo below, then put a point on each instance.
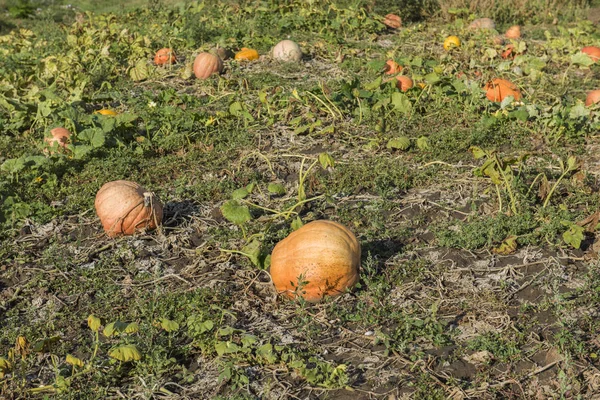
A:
(132, 327)
(401, 102)
(266, 351)
(477, 152)
(574, 235)
(582, 59)
(297, 223)
(226, 348)
(374, 84)
(579, 110)
(236, 213)
(400, 143)
(169, 325)
(252, 251)
(326, 160)
(242, 192)
(423, 143)
(276, 188)
(125, 353)
(94, 322)
(572, 163)
(432, 78)
(248, 340)
(94, 136)
(140, 71)
(508, 246)
(76, 362)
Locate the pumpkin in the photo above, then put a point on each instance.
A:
(483, 23)
(58, 135)
(593, 52)
(322, 258)
(392, 21)
(207, 64)
(392, 67)
(125, 207)
(514, 32)
(247, 54)
(165, 56)
(287, 51)
(451, 42)
(404, 83)
(498, 89)
(593, 97)
(106, 111)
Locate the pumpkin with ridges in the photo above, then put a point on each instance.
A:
(165, 56)
(287, 51)
(125, 207)
(592, 51)
(322, 258)
(498, 89)
(207, 64)
(59, 135)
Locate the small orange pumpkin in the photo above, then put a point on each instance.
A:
(392, 67)
(207, 64)
(125, 207)
(165, 56)
(247, 54)
(322, 258)
(404, 83)
(593, 97)
(58, 135)
(593, 52)
(392, 21)
(508, 52)
(499, 88)
(514, 32)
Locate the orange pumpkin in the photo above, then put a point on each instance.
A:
(58, 135)
(508, 52)
(392, 21)
(593, 97)
(498, 89)
(207, 64)
(165, 56)
(593, 52)
(125, 207)
(247, 54)
(392, 67)
(404, 83)
(322, 258)
(106, 112)
(514, 32)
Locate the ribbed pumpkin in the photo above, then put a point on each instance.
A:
(125, 207)
(514, 32)
(165, 56)
(207, 64)
(593, 97)
(404, 83)
(483, 23)
(247, 54)
(498, 89)
(592, 51)
(58, 135)
(325, 255)
(392, 21)
(287, 51)
(392, 67)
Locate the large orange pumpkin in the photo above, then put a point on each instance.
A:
(165, 56)
(593, 97)
(592, 51)
(498, 89)
(322, 258)
(125, 207)
(392, 21)
(58, 135)
(207, 64)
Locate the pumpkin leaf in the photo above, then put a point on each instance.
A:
(43, 345)
(132, 327)
(94, 136)
(477, 152)
(252, 251)
(423, 143)
(401, 103)
(276, 188)
(94, 322)
(226, 347)
(326, 160)
(297, 224)
(140, 71)
(169, 325)
(579, 110)
(581, 59)
(242, 192)
(74, 361)
(574, 235)
(508, 246)
(266, 352)
(400, 143)
(125, 353)
(234, 212)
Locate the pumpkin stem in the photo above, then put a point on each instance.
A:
(147, 199)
